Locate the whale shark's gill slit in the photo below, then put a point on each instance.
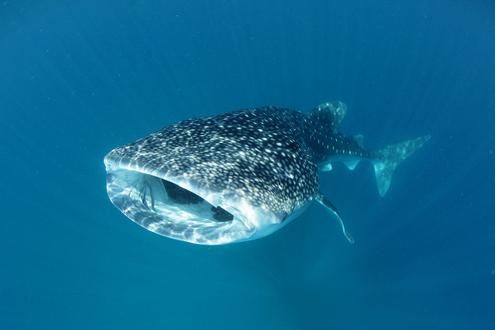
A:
(147, 196)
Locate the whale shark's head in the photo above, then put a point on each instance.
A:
(224, 179)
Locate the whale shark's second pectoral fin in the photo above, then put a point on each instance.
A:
(323, 200)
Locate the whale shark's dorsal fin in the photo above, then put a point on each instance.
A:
(323, 200)
(335, 110)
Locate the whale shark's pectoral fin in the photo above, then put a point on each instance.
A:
(323, 200)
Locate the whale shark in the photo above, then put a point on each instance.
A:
(240, 175)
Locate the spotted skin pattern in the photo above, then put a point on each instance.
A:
(266, 159)
(260, 153)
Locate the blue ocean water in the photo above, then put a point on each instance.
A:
(78, 78)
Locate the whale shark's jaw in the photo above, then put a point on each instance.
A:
(145, 200)
(173, 208)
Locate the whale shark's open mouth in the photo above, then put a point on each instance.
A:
(179, 197)
(166, 208)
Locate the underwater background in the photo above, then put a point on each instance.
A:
(78, 78)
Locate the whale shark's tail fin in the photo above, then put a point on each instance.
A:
(389, 157)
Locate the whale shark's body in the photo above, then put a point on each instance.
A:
(240, 175)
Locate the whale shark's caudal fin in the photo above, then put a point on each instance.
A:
(389, 157)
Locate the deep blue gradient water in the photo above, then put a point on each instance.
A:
(78, 78)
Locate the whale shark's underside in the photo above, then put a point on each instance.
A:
(240, 175)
